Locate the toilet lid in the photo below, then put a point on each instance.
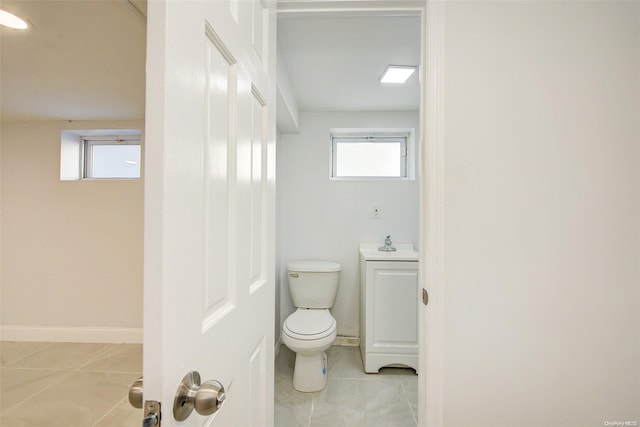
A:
(314, 266)
(310, 322)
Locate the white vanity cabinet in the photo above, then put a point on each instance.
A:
(388, 307)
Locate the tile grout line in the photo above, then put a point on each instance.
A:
(42, 390)
(107, 348)
(68, 371)
(354, 370)
(36, 369)
(313, 401)
(27, 355)
(367, 379)
(406, 396)
(98, 355)
(96, 371)
(108, 412)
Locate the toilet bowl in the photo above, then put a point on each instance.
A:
(311, 329)
(308, 333)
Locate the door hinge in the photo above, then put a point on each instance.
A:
(425, 297)
(152, 414)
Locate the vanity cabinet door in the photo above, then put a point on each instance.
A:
(391, 305)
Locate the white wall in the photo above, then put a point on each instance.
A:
(542, 214)
(71, 250)
(323, 219)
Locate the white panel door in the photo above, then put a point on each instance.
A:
(209, 205)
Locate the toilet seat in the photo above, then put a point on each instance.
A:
(309, 324)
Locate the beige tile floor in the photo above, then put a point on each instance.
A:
(351, 397)
(85, 385)
(68, 384)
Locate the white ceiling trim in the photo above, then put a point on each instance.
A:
(359, 6)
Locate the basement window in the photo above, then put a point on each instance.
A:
(372, 154)
(111, 157)
(100, 154)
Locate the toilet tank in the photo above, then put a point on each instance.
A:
(313, 284)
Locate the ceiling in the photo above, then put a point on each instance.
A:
(85, 60)
(81, 60)
(334, 62)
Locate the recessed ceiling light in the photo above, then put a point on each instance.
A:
(396, 74)
(131, 162)
(10, 20)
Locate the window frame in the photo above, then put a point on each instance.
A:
(87, 143)
(407, 155)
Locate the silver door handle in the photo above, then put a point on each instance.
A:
(135, 394)
(205, 398)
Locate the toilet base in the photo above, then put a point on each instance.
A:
(310, 372)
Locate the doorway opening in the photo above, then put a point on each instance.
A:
(332, 61)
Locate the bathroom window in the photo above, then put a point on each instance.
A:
(369, 154)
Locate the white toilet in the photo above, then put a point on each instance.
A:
(311, 329)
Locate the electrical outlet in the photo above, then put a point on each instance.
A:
(376, 211)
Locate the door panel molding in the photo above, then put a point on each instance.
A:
(221, 103)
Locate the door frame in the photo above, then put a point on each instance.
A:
(431, 268)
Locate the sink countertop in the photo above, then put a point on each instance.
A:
(404, 252)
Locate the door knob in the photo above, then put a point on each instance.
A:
(135, 394)
(205, 398)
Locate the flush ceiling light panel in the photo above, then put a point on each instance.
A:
(396, 74)
(10, 20)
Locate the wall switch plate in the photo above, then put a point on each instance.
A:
(376, 210)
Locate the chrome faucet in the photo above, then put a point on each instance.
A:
(387, 246)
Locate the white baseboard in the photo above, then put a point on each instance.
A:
(71, 334)
(340, 340)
